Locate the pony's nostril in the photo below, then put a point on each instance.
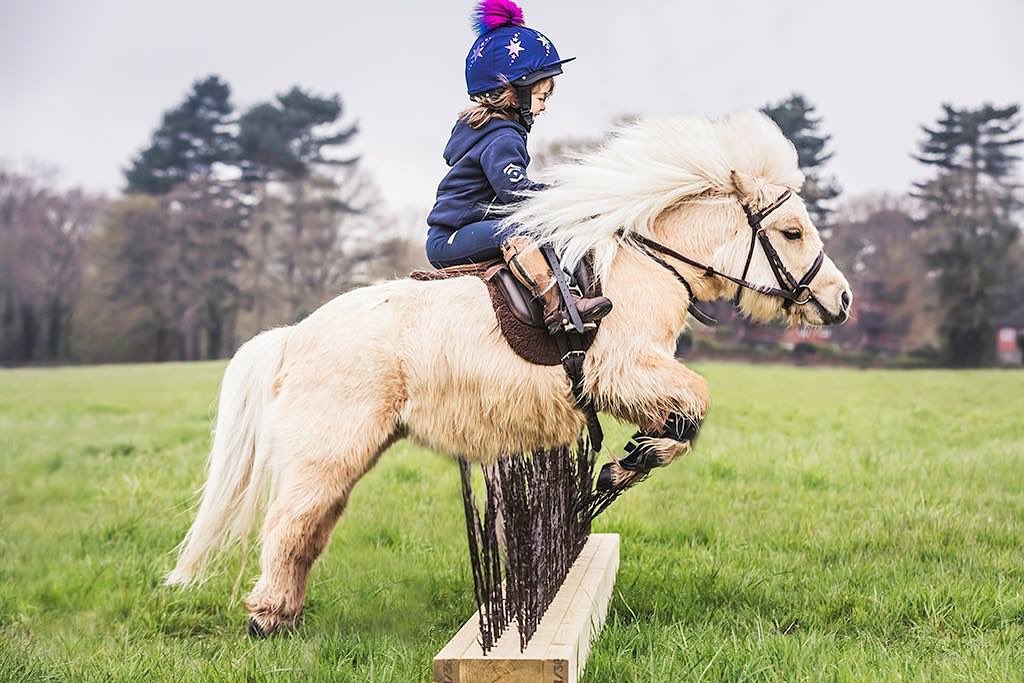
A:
(845, 298)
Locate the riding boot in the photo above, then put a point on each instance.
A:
(529, 266)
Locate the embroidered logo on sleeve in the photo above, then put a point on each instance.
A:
(515, 172)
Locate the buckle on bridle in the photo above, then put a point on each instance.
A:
(807, 299)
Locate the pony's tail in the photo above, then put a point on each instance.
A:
(237, 471)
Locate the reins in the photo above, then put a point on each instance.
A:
(789, 289)
(646, 246)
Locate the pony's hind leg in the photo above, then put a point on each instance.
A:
(279, 596)
(316, 476)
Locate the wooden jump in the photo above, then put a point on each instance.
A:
(558, 651)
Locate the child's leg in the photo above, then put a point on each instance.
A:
(480, 241)
(530, 266)
(471, 243)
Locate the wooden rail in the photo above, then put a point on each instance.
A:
(559, 649)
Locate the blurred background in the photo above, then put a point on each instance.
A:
(175, 177)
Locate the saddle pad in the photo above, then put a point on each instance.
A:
(530, 343)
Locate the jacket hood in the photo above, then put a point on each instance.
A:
(464, 137)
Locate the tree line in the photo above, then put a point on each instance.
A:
(942, 264)
(231, 222)
(935, 268)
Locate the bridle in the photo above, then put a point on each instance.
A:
(789, 289)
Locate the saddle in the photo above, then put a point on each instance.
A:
(520, 316)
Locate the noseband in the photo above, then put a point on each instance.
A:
(789, 289)
(790, 286)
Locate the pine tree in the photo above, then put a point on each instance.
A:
(190, 140)
(290, 138)
(795, 116)
(203, 219)
(294, 140)
(968, 227)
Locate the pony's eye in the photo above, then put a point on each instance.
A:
(792, 235)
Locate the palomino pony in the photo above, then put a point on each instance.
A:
(313, 406)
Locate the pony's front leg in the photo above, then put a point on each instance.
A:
(670, 417)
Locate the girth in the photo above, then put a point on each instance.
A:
(572, 341)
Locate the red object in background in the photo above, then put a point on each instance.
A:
(1008, 345)
(1010, 338)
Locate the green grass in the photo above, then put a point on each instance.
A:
(832, 525)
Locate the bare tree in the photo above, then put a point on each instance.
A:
(139, 250)
(42, 237)
(21, 241)
(876, 243)
(209, 218)
(68, 219)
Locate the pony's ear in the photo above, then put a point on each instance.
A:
(746, 187)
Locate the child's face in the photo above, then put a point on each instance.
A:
(541, 93)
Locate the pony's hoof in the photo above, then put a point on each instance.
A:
(255, 630)
(614, 477)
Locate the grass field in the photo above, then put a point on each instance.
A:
(832, 525)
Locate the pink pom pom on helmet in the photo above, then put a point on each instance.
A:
(492, 14)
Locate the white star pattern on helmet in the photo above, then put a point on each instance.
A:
(478, 52)
(546, 43)
(514, 47)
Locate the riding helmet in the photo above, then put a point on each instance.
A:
(507, 51)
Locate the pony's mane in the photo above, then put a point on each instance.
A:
(645, 168)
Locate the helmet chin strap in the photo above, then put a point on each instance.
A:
(524, 93)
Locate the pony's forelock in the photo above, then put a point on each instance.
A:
(644, 169)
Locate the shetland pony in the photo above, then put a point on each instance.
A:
(310, 408)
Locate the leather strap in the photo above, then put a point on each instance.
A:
(700, 315)
(563, 287)
(789, 288)
(743, 276)
(572, 349)
(570, 345)
(710, 271)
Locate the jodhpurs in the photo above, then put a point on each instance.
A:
(471, 243)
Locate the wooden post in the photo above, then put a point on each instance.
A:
(559, 649)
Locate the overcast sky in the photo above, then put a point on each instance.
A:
(83, 83)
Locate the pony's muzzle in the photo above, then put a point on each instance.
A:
(842, 303)
(845, 304)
